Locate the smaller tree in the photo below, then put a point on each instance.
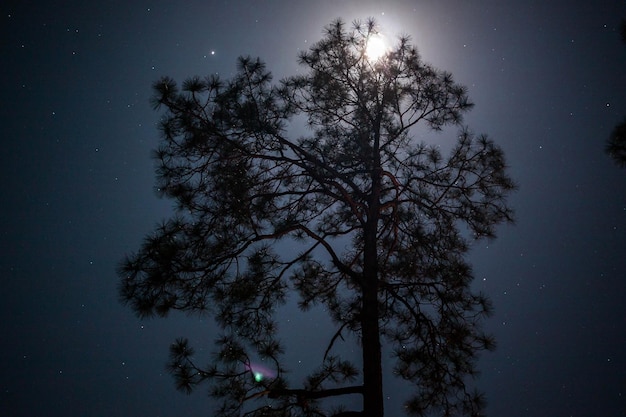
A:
(616, 144)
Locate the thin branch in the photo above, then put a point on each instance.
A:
(302, 393)
(332, 341)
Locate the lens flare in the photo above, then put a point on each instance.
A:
(260, 372)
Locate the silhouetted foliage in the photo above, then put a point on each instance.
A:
(382, 223)
(616, 144)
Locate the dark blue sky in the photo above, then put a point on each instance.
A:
(549, 82)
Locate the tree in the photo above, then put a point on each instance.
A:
(382, 223)
(616, 144)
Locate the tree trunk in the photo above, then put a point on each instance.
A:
(372, 367)
(370, 329)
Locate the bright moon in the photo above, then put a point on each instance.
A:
(375, 47)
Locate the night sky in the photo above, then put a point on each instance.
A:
(549, 82)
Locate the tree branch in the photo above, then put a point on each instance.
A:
(332, 341)
(302, 393)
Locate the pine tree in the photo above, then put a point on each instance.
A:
(383, 223)
(616, 143)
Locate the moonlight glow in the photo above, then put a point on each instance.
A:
(376, 47)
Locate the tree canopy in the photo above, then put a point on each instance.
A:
(382, 224)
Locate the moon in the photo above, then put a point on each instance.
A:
(376, 47)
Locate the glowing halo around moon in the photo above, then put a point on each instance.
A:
(376, 47)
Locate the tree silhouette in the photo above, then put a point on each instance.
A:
(357, 216)
(616, 144)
